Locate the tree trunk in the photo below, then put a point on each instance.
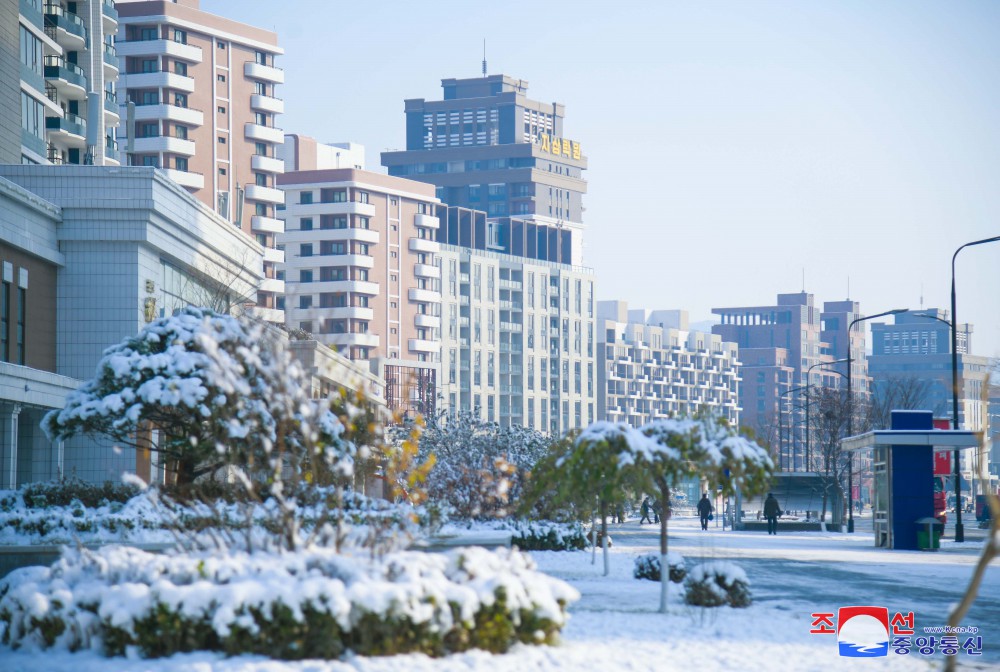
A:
(664, 565)
(604, 537)
(593, 535)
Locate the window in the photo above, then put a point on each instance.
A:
(180, 36)
(261, 57)
(362, 222)
(222, 109)
(260, 149)
(21, 301)
(306, 275)
(306, 301)
(5, 321)
(332, 274)
(305, 224)
(180, 132)
(333, 221)
(180, 68)
(181, 163)
(363, 198)
(262, 118)
(222, 171)
(146, 34)
(220, 45)
(305, 197)
(305, 250)
(153, 161)
(180, 100)
(333, 195)
(149, 65)
(220, 78)
(328, 247)
(222, 140)
(260, 179)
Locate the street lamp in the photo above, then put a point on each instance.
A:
(850, 413)
(780, 433)
(808, 378)
(959, 529)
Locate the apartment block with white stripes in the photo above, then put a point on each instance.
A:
(652, 366)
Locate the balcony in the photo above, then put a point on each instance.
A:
(109, 17)
(424, 296)
(368, 340)
(111, 116)
(256, 192)
(421, 345)
(159, 47)
(266, 103)
(185, 178)
(510, 305)
(272, 286)
(253, 131)
(424, 245)
(510, 284)
(267, 164)
(426, 271)
(323, 286)
(164, 144)
(510, 326)
(426, 221)
(265, 73)
(347, 313)
(110, 62)
(67, 78)
(70, 130)
(431, 321)
(274, 256)
(65, 28)
(156, 80)
(268, 314)
(261, 224)
(160, 111)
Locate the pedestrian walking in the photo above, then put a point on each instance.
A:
(704, 510)
(644, 510)
(771, 511)
(657, 510)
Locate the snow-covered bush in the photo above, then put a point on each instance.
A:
(311, 604)
(65, 492)
(716, 584)
(479, 467)
(648, 567)
(548, 536)
(146, 518)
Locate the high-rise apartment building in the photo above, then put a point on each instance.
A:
(517, 340)
(778, 344)
(361, 269)
(62, 86)
(652, 366)
(488, 147)
(203, 91)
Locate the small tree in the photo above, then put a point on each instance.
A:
(669, 451)
(596, 463)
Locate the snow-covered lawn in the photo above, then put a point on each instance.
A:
(615, 625)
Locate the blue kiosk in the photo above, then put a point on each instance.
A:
(903, 466)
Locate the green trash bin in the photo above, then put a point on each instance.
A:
(929, 534)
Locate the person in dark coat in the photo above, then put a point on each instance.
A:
(657, 510)
(644, 510)
(704, 510)
(771, 512)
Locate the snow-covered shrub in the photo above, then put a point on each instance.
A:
(479, 467)
(716, 584)
(311, 604)
(648, 567)
(548, 536)
(600, 538)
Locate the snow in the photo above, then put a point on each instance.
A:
(615, 627)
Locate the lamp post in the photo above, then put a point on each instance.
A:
(959, 529)
(808, 378)
(850, 413)
(794, 389)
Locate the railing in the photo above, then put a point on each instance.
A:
(56, 16)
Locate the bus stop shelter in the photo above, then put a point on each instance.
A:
(903, 470)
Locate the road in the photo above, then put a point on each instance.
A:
(814, 571)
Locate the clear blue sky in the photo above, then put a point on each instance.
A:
(732, 145)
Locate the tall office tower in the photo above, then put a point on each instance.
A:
(65, 86)
(778, 345)
(518, 306)
(361, 266)
(488, 147)
(203, 90)
(652, 366)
